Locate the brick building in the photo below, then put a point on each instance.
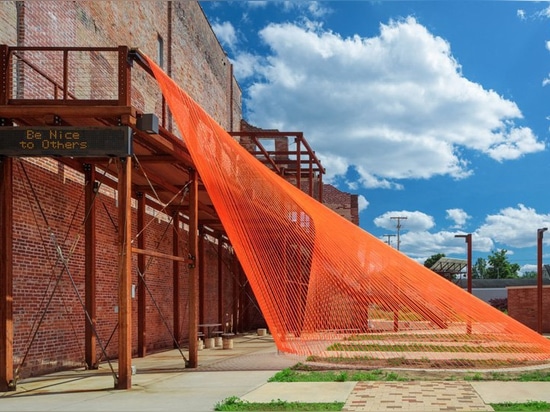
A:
(53, 323)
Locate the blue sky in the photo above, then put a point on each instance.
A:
(433, 110)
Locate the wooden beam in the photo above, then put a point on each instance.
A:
(142, 295)
(89, 264)
(193, 268)
(7, 381)
(124, 166)
(65, 111)
(158, 254)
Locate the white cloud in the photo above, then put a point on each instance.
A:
(458, 216)
(515, 227)
(245, 65)
(225, 32)
(514, 144)
(256, 4)
(521, 14)
(414, 221)
(544, 13)
(421, 245)
(318, 9)
(363, 203)
(392, 107)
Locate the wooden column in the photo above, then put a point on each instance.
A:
(193, 268)
(7, 382)
(242, 299)
(89, 265)
(142, 292)
(236, 294)
(220, 279)
(202, 278)
(176, 277)
(125, 273)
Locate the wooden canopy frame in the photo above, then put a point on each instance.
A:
(165, 166)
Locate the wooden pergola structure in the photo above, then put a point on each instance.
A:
(165, 167)
(151, 165)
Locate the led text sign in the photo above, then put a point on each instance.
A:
(66, 141)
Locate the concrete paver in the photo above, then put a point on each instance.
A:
(415, 396)
(162, 383)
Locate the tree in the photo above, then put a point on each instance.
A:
(479, 269)
(497, 266)
(530, 275)
(432, 259)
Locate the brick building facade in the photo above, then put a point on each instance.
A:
(48, 252)
(522, 306)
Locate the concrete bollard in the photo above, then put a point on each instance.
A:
(262, 332)
(209, 343)
(227, 339)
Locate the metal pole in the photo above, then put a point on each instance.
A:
(540, 234)
(468, 239)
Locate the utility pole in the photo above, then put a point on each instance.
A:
(388, 240)
(399, 219)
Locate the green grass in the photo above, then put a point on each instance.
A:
(297, 374)
(235, 404)
(522, 407)
(419, 347)
(291, 375)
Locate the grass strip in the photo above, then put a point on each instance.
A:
(368, 347)
(236, 404)
(522, 407)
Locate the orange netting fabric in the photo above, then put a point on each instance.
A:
(325, 286)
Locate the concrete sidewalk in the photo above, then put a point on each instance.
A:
(163, 384)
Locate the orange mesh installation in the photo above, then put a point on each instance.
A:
(325, 286)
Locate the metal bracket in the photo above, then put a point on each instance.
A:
(190, 261)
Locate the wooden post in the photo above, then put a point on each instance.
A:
(220, 280)
(89, 264)
(236, 294)
(176, 277)
(125, 273)
(193, 268)
(7, 381)
(142, 295)
(124, 77)
(5, 74)
(202, 278)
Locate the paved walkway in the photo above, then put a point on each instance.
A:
(163, 384)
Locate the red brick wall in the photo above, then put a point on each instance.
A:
(45, 299)
(201, 67)
(345, 204)
(522, 306)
